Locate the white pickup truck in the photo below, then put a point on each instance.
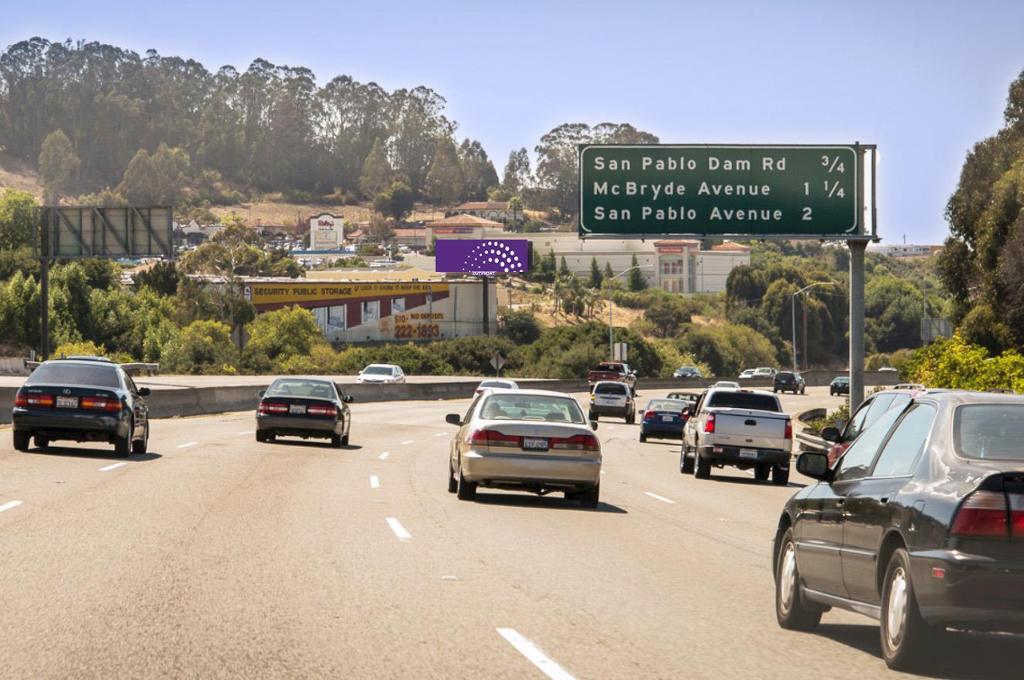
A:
(743, 428)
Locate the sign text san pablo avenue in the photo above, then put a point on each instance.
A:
(702, 190)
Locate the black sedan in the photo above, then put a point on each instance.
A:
(303, 407)
(839, 385)
(83, 400)
(919, 525)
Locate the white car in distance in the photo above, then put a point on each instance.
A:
(496, 384)
(381, 373)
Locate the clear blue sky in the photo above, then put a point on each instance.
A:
(923, 80)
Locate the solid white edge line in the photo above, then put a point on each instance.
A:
(186, 445)
(399, 530)
(108, 468)
(9, 505)
(660, 498)
(545, 664)
(374, 481)
(384, 455)
(440, 434)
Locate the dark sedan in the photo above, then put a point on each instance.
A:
(303, 407)
(664, 418)
(919, 525)
(788, 381)
(839, 385)
(83, 400)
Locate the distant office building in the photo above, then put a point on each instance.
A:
(903, 249)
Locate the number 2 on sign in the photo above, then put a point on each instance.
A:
(807, 214)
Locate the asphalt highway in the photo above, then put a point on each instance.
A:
(214, 556)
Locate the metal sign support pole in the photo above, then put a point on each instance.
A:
(44, 285)
(857, 249)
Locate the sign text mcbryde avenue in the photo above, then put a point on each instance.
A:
(754, 191)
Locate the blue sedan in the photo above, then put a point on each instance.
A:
(664, 418)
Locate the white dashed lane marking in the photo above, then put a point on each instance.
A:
(660, 498)
(186, 445)
(112, 467)
(538, 658)
(9, 505)
(399, 530)
(374, 482)
(384, 455)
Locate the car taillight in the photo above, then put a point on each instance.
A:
(25, 400)
(493, 438)
(267, 408)
(328, 411)
(1017, 515)
(577, 442)
(789, 430)
(100, 404)
(649, 415)
(983, 514)
(709, 424)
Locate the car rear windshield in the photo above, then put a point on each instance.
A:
(990, 431)
(748, 400)
(532, 407)
(610, 388)
(378, 370)
(785, 375)
(496, 383)
(613, 368)
(75, 374)
(673, 405)
(316, 389)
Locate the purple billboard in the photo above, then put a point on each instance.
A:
(482, 256)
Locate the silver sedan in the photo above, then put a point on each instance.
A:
(527, 440)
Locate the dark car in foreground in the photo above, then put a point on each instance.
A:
(920, 525)
(664, 418)
(789, 381)
(82, 400)
(303, 407)
(839, 385)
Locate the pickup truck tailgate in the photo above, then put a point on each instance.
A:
(752, 429)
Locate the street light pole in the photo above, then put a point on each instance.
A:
(792, 314)
(611, 344)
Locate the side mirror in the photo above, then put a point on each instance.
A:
(814, 465)
(144, 391)
(261, 393)
(593, 424)
(453, 419)
(348, 399)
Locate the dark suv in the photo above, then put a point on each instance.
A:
(788, 381)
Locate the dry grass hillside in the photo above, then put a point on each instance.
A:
(271, 212)
(15, 174)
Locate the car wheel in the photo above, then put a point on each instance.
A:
(139, 447)
(336, 441)
(701, 467)
(774, 391)
(41, 442)
(685, 463)
(761, 471)
(790, 610)
(123, 445)
(465, 490)
(643, 437)
(344, 439)
(593, 416)
(21, 440)
(453, 485)
(780, 475)
(590, 498)
(803, 390)
(261, 436)
(906, 637)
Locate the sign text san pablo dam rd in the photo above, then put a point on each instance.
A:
(769, 191)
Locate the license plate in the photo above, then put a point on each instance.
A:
(667, 419)
(297, 409)
(535, 443)
(67, 402)
(748, 453)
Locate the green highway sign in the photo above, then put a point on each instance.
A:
(753, 191)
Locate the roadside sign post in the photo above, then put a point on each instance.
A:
(823, 192)
(97, 231)
(497, 363)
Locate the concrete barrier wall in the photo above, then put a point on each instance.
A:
(191, 401)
